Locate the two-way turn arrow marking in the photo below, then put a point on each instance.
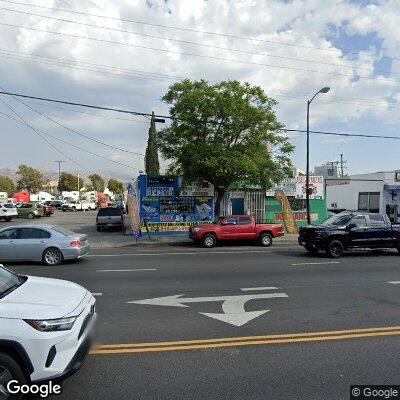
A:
(232, 306)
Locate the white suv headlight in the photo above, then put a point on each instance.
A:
(196, 229)
(52, 325)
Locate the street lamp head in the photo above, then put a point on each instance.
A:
(325, 89)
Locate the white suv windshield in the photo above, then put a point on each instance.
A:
(8, 281)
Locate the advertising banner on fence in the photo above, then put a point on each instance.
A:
(133, 210)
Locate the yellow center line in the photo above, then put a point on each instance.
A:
(244, 341)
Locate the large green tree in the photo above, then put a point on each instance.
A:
(69, 182)
(29, 178)
(224, 133)
(152, 164)
(97, 182)
(6, 185)
(115, 186)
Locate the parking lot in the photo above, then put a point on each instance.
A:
(80, 221)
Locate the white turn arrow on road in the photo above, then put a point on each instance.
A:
(232, 306)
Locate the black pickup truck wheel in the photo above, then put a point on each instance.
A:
(335, 249)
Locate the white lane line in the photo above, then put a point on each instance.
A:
(249, 289)
(133, 254)
(394, 282)
(126, 270)
(317, 263)
(97, 294)
(177, 253)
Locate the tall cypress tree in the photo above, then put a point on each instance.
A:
(151, 161)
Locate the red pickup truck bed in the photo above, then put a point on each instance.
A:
(235, 227)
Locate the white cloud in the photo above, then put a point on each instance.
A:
(308, 23)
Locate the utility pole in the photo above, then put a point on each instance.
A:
(59, 173)
(341, 165)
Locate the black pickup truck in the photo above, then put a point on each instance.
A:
(350, 230)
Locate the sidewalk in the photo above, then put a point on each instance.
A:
(99, 242)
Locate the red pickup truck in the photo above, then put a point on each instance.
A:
(235, 227)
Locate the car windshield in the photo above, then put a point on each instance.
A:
(218, 220)
(338, 220)
(8, 281)
(109, 211)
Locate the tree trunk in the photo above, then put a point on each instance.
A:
(220, 195)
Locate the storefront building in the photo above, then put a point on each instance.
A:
(295, 192)
(377, 192)
(168, 207)
(267, 208)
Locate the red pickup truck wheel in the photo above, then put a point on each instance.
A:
(266, 239)
(209, 241)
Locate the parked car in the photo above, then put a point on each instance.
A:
(29, 210)
(8, 211)
(109, 217)
(235, 227)
(90, 205)
(350, 230)
(48, 210)
(75, 205)
(49, 244)
(46, 328)
(54, 203)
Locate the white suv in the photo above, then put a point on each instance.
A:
(46, 328)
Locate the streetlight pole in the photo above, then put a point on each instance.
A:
(323, 90)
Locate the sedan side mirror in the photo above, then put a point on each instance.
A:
(351, 226)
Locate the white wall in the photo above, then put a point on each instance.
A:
(346, 196)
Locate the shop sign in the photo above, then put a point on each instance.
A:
(296, 187)
(288, 186)
(298, 216)
(170, 226)
(160, 191)
(201, 189)
(316, 185)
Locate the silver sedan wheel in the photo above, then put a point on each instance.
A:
(5, 377)
(52, 257)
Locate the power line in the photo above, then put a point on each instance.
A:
(70, 144)
(221, 34)
(76, 132)
(177, 119)
(197, 43)
(23, 122)
(193, 54)
(343, 134)
(75, 64)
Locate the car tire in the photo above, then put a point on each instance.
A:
(8, 219)
(99, 229)
(10, 370)
(265, 239)
(52, 257)
(73, 209)
(209, 240)
(334, 249)
(311, 249)
(398, 247)
(31, 216)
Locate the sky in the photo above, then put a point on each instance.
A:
(134, 49)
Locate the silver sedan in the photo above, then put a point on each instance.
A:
(49, 244)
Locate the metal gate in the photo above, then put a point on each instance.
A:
(255, 204)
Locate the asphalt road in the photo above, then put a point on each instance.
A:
(238, 322)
